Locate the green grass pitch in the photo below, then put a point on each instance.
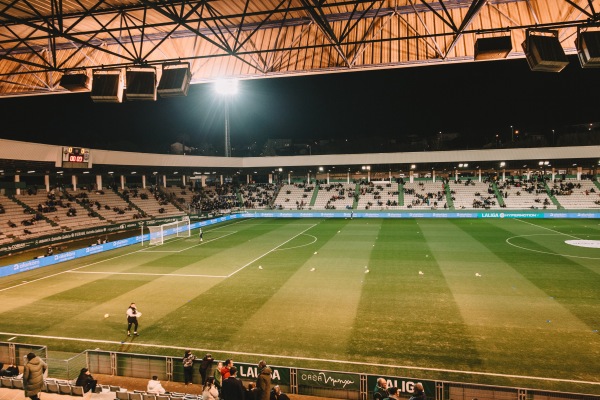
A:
(463, 300)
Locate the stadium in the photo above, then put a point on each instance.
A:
(472, 270)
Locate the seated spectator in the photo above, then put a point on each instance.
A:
(86, 381)
(11, 370)
(250, 391)
(277, 394)
(155, 387)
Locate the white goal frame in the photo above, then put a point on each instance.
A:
(160, 233)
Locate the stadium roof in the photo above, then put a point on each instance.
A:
(41, 39)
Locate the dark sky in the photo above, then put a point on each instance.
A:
(476, 99)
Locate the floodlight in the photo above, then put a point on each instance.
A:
(226, 87)
(107, 86)
(543, 50)
(175, 80)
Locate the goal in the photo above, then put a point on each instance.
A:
(160, 233)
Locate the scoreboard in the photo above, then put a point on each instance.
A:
(75, 157)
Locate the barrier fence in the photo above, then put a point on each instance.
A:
(311, 382)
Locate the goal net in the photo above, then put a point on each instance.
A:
(160, 233)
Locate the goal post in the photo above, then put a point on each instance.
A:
(160, 233)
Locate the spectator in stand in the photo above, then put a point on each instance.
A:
(188, 366)
(210, 391)
(33, 376)
(217, 375)
(11, 370)
(393, 393)
(226, 367)
(205, 366)
(233, 389)
(418, 392)
(250, 393)
(263, 382)
(380, 392)
(277, 394)
(86, 381)
(155, 387)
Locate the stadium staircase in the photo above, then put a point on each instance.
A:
(400, 194)
(449, 200)
(314, 195)
(239, 197)
(552, 197)
(498, 194)
(356, 196)
(31, 210)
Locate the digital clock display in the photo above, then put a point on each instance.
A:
(75, 157)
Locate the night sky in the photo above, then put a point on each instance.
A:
(478, 100)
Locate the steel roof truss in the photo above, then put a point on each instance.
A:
(316, 12)
(427, 37)
(440, 17)
(474, 9)
(34, 52)
(583, 10)
(278, 61)
(370, 32)
(260, 25)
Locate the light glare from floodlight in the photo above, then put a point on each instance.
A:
(226, 87)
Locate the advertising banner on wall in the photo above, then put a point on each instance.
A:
(328, 380)
(279, 375)
(405, 385)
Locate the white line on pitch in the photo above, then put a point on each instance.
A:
(101, 261)
(263, 355)
(270, 251)
(551, 230)
(146, 274)
(71, 270)
(191, 247)
(12, 338)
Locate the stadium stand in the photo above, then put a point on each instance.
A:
(258, 195)
(335, 196)
(151, 202)
(111, 206)
(524, 194)
(424, 195)
(294, 197)
(470, 194)
(574, 194)
(378, 196)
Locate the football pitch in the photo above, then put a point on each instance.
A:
(493, 301)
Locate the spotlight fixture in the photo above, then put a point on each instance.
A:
(107, 86)
(492, 48)
(543, 51)
(141, 83)
(76, 81)
(175, 80)
(588, 48)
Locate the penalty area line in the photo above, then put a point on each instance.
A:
(147, 274)
(324, 360)
(270, 251)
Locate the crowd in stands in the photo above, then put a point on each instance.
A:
(429, 198)
(258, 195)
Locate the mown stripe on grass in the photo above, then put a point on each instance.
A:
(517, 307)
(313, 312)
(219, 313)
(405, 317)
